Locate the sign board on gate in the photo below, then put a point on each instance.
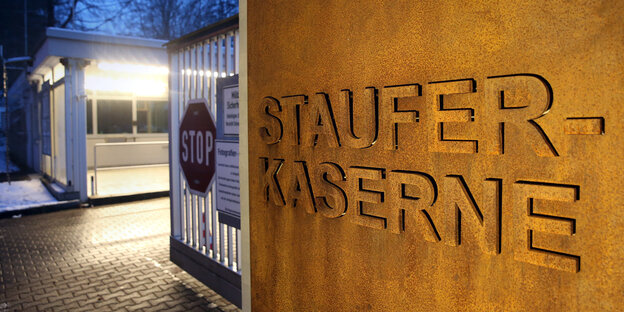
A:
(197, 146)
(227, 108)
(227, 181)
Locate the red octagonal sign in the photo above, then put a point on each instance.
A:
(197, 150)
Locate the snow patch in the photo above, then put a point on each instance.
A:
(24, 194)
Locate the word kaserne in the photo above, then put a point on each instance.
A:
(456, 117)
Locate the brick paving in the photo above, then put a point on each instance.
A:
(113, 258)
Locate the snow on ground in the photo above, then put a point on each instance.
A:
(27, 194)
(12, 166)
(130, 180)
(24, 194)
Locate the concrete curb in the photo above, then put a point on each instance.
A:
(51, 207)
(124, 198)
(73, 204)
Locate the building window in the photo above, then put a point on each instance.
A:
(114, 116)
(152, 116)
(46, 140)
(89, 116)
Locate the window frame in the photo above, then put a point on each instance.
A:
(95, 96)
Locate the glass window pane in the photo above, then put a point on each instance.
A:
(152, 116)
(89, 116)
(114, 116)
(45, 119)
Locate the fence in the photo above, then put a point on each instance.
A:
(200, 243)
(126, 148)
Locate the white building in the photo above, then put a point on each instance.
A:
(87, 88)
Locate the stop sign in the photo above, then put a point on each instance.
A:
(197, 148)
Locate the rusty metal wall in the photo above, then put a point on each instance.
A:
(436, 155)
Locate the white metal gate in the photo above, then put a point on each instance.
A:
(200, 243)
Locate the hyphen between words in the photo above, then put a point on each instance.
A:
(400, 200)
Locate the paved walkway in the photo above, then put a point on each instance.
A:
(112, 258)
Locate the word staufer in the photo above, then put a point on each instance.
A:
(400, 199)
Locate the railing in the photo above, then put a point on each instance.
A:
(123, 149)
(194, 68)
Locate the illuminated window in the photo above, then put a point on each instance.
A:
(152, 116)
(114, 116)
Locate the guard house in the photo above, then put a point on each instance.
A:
(86, 91)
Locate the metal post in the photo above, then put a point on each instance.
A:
(95, 168)
(6, 114)
(25, 27)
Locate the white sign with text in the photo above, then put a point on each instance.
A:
(230, 113)
(228, 184)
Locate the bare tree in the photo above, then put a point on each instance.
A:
(163, 19)
(154, 18)
(167, 19)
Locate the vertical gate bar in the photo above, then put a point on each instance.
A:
(187, 213)
(206, 69)
(202, 224)
(198, 220)
(173, 141)
(232, 52)
(223, 56)
(193, 73)
(181, 205)
(238, 252)
(188, 89)
(180, 95)
(184, 82)
(207, 216)
(211, 224)
(217, 72)
(182, 101)
(189, 75)
(180, 208)
(221, 243)
(211, 53)
(198, 90)
(215, 228)
(183, 86)
(230, 250)
(236, 51)
(236, 66)
(215, 231)
(209, 98)
(193, 220)
(219, 57)
(202, 66)
(192, 86)
(228, 54)
(205, 213)
(196, 71)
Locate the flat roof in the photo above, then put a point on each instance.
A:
(62, 33)
(66, 43)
